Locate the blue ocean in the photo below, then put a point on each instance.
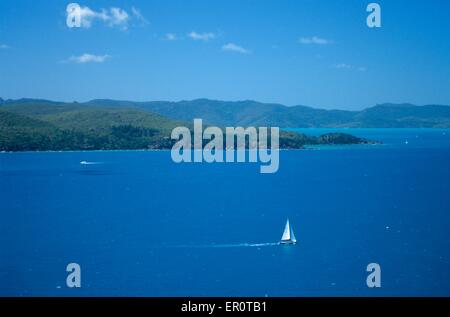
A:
(139, 224)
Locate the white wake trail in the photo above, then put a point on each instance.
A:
(229, 245)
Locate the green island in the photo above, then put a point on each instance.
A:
(40, 125)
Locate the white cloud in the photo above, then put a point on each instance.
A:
(89, 58)
(170, 37)
(202, 36)
(118, 17)
(231, 47)
(344, 66)
(314, 40)
(87, 16)
(3, 46)
(112, 17)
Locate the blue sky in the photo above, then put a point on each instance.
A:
(316, 53)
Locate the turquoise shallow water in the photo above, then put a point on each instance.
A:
(389, 137)
(141, 225)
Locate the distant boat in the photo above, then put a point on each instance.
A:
(288, 235)
(89, 163)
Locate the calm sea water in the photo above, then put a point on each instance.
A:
(141, 225)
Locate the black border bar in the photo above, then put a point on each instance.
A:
(360, 305)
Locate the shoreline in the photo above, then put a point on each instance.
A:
(314, 147)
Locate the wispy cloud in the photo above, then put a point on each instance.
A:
(231, 47)
(170, 37)
(112, 17)
(201, 36)
(138, 16)
(3, 46)
(88, 58)
(345, 66)
(118, 17)
(314, 40)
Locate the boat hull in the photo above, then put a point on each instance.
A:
(287, 242)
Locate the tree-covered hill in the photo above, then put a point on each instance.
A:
(46, 125)
(37, 127)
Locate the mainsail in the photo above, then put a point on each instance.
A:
(287, 232)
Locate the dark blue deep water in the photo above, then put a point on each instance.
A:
(141, 225)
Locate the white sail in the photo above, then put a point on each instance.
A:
(293, 236)
(287, 232)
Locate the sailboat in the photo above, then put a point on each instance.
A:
(288, 235)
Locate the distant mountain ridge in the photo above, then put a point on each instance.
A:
(253, 113)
